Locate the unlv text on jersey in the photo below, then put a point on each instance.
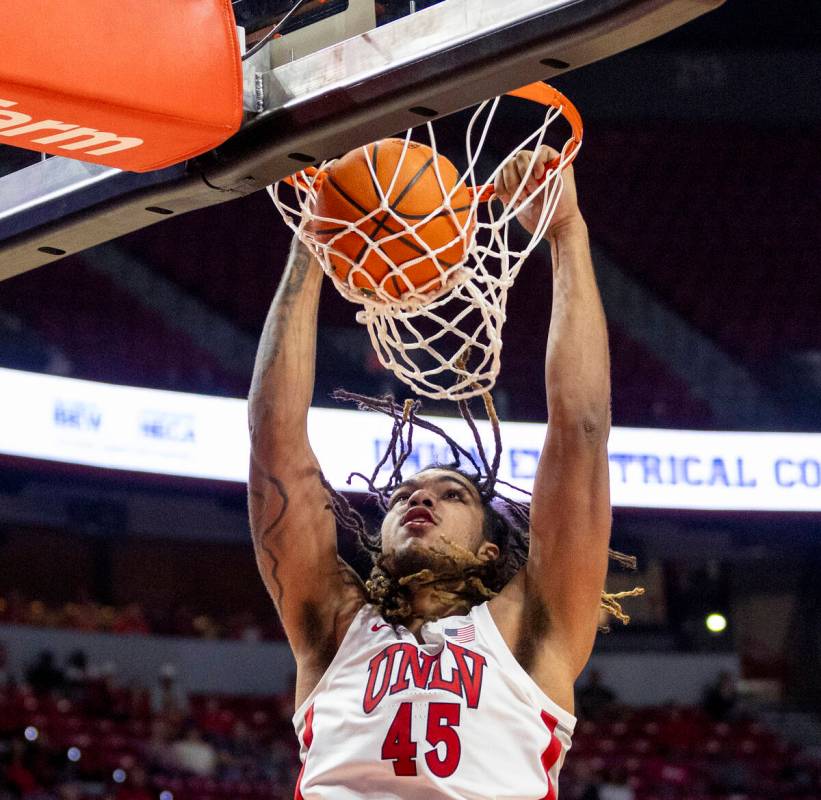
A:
(401, 666)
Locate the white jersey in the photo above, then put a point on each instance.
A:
(453, 717)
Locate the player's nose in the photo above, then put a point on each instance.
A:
(421, 497)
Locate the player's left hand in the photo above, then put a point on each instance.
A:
(511, 176)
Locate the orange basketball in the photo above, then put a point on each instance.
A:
(349, 193)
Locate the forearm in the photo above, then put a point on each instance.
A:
(577, 364)
(283, 380)
(292, 523)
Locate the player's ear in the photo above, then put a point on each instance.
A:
(488, 551)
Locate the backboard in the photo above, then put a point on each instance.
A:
(338, 74)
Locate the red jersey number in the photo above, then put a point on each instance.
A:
(442, 719)
(400, 748)
(398, 745)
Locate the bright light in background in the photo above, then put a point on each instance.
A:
(716, 623)
(119, 776)
(166, 795)
(171, 433)
(74, 754)
(31, 733)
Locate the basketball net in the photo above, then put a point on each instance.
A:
(443, 338)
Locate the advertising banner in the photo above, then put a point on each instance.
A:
(172, 433)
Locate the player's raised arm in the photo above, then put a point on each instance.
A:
(292, 525)
(570, 514)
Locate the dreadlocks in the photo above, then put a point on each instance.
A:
(506, 521)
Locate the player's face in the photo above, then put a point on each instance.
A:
(431, 513)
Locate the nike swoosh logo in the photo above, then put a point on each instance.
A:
(375, 627)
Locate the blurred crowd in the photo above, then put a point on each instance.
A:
(715, 750)
(70, 731)
(86, 614)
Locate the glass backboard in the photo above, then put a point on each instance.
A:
(337, 74)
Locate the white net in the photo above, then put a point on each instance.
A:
(434, 310)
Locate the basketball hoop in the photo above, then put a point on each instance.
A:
(442, 336)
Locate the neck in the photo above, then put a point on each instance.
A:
(426, 595)
(435, 600)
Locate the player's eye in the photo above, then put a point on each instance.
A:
(399, 498)
(453, 494)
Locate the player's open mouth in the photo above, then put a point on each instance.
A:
(419, 523)
(417, 518)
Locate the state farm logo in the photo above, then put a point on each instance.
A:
(89, 140)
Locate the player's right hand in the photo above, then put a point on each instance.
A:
(514, 172)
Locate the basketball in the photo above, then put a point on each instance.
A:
(382, 251)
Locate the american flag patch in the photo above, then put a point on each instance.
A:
(467, 633)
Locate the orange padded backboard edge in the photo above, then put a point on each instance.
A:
(137, 84)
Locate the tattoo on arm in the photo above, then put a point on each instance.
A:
(271, 342)
(278, 404)
(267, 538)
(347, 574)
(298, 269)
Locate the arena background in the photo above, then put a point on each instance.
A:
(167, 675)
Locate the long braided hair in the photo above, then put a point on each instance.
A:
(506, 521)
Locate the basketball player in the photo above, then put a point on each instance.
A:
(452, 697)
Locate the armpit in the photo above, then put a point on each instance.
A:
(534, 628)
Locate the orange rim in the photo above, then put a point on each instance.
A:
(538, 92)
(545, 95)
(297, 178)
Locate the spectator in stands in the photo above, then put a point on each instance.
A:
(135, 786)
(801, 776)
(281, 762)
(216, 722)
(68, 791)
(586, 781)
(137, 701)
(239, 753)
(720, 699)
(244, 627)
(43, 675)
(168, 697)
(615, 786)
(192, 754)
(131, 620)
(594, 700)
(680, 728)
(205, 627)
(12, 608)
(19, 778)
(102, 696)
(730, 773)
(670, 768)
(183, 621)
(76, 675)
(40, 615)
(84, 614)
(81, 616)
(157, 750)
